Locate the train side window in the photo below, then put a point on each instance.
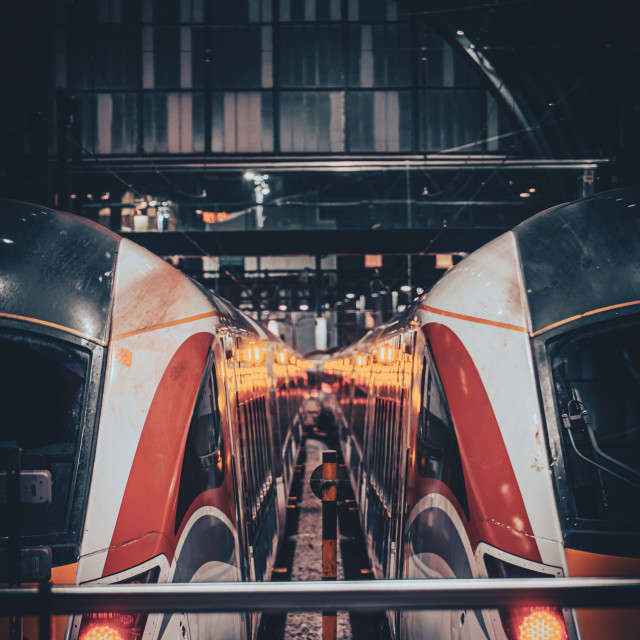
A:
(438, 452)
(249, 467)
(203, 462)
(257, 446)
(264, 446)
(389, 449)
(373, 440)
(384, 448)
(207, 432)
(376, 443)
(267, 440)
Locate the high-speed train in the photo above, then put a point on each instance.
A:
(165, 418)
(493, 429)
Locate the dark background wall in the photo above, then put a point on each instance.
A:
(448, 121)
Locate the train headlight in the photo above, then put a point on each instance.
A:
(102, 632)
(526, 623)
(118, 626)
(542, 624)
(111, 626)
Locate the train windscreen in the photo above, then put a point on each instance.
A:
(42, 388)
(596, 378)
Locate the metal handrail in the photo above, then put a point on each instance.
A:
(477, 593)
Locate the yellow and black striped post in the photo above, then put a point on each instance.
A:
(329, 534)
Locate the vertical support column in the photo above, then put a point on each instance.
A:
(588, 182)
(344, 28)
(60, 173)
(329, 534)
(318, 285)
(208, 82)
(45, 619)
(409, 224)
(15, 533)
(275, 66)
(321, 321)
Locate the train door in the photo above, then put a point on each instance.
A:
(355, 411)
(228, 362)
(255, 461)
(208, 549)
(409, 372)
(228, 372)
(246, 464)
(226, 397)
(278, 436)
(284, 416)
(381, 445)
(369, 416)
(436, 504)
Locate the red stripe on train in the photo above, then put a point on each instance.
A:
(497, 512)
(145, 525)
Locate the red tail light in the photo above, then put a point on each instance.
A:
(112, 626)
(534, 623)
(117, 626)
(102, 632)
(526, 623)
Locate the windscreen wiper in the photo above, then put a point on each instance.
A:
(576, 418)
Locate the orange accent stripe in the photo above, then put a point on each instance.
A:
(55, 326)
(164, 325)
(596, 624)
(66, 574)
(459, 316)
(584, 315)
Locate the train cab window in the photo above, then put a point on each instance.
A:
(437, 446)
(43, 389)
(203, 462)
(596, 375)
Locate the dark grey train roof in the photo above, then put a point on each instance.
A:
(581, 256)
(56, 268)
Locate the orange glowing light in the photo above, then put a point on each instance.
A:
(211, 217)
(102, 633)
(444, 261)
(542, 625)
(372, 261)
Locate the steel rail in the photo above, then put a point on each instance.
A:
(476, 593)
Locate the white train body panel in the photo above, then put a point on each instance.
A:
(139, 354)
(487, 291)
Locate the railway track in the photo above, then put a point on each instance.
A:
(300, 558)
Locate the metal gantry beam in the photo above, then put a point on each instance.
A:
(478, 593)
(439, 161)
(310, 242)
